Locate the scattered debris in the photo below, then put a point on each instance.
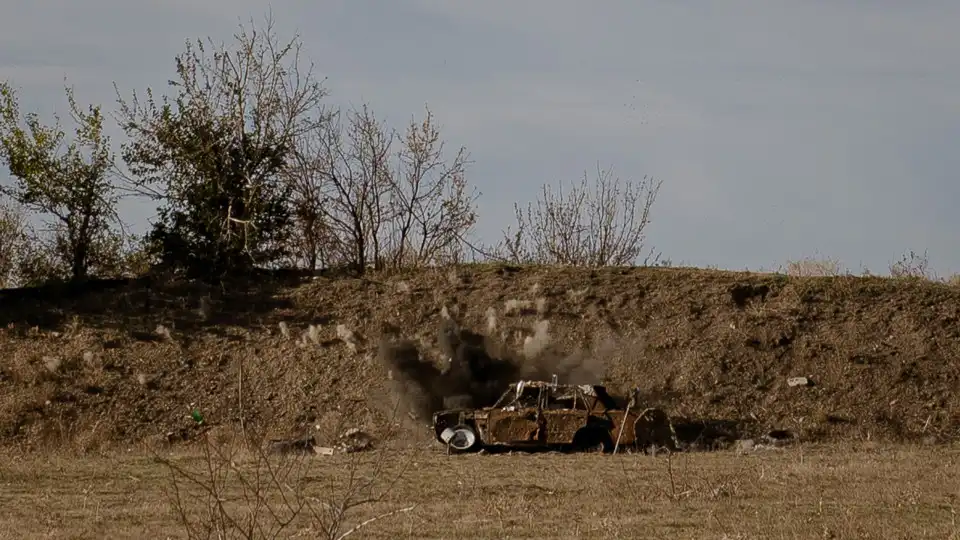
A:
(491, 320)
(206, 309)
(292, 446)
(403, 287)
(354, 440)
(744, 445)
(517, 306)
(576, 296)
(542, 306)
(347, 336)
(52, 363)
(313, 334)
(284, 329)
(799, 381)
(163, 332)
(535, 344)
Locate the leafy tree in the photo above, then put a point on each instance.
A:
(215, 153)
(13, 242)
(67, 182)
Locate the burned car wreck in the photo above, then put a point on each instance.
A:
(534, 415)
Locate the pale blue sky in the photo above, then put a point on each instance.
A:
(780, 129)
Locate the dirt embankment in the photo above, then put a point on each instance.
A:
(129, 362)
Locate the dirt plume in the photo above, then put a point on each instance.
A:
(478, 367)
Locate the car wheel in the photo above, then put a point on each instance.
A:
(461, 438)
(594, 441)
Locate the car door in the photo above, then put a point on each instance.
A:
(563, 416)
(514, 427)
(521, 423)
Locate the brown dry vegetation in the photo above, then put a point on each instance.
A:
(868, 491)
(106, 371)
(89, 370)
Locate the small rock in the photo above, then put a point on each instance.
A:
(52, 363)
(799, 381)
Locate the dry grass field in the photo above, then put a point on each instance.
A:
(799, 492)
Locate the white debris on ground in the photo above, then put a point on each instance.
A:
(354, 440)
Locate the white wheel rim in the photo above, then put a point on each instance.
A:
(462, 438)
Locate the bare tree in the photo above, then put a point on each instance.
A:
(599, 225)
(353, 171)
(313, 242)
(368, 197)
(430, 196)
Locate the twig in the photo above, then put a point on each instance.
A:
(243, 429)
(374, 518)
(630, 405)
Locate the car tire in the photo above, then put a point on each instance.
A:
(461, 439)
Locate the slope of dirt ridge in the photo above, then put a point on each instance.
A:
(88, 370)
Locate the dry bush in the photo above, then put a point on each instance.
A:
(954, 280)
(237, 495)
(815, 267)
(595, 224)
(912, 265)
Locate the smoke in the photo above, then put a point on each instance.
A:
(479, 368)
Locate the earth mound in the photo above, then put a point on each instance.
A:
(128, 362)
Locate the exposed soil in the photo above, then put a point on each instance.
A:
(87, 368)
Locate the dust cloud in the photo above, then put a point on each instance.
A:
(479, 367)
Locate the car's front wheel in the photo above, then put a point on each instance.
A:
(461, 438)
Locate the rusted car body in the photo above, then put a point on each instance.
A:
(546, 415)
